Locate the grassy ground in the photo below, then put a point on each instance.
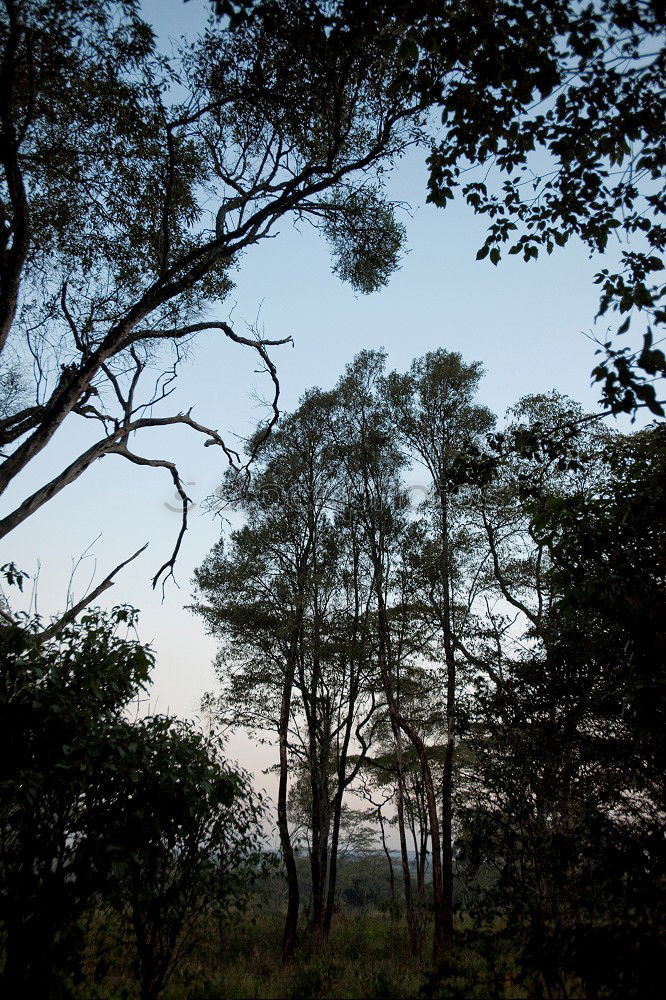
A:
(366, 956)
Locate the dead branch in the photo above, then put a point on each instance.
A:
(69, 616)
(107, 446)
(160, 463)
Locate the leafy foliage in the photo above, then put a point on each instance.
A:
(133, 183)
(568, 796)
(142, 814)
(565, 102)
(561, 105)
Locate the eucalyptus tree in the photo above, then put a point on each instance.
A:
(256, 596)
(373, 463)
(287, 602)
(439, 424)
(560, 804)
(552, 129)
(353, 644)
(133, 183)
(257, 612)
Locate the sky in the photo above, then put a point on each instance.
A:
(525, 322)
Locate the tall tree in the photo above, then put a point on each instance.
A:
(439, 423)
(373, 463)
(566, 798)
(132, 183)
(289, 604)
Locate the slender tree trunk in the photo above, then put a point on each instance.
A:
(343, 782)
(447, 837)
(318, 749)
(398, 723)
(447, 776)
(404, 856)
(333, 863)
(439, 939)
(315, 856)
(418, 854)
(420, 816)
(293, 896)
(320, 858)
(387, 853)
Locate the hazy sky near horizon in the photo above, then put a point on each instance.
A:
(525, 322)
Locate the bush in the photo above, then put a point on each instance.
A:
(144, 815)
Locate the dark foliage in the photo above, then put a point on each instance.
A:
(144, 815)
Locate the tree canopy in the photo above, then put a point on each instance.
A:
(133, 183)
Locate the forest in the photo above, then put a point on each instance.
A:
(446, 626)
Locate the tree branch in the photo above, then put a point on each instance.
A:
(161, 463)
(69, 616)
(106, 446)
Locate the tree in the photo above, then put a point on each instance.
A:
(256, 602)
(569, 744)
(62, 706)
(182, 839)
(439, 424)
(373, 464)
(133, 183)
(261, 624)
(94, 806)
(287, 602)
(562, 106)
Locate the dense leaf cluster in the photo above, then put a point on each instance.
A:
(144, 815)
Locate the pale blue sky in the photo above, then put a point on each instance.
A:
(523, 322)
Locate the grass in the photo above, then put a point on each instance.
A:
(366, 956)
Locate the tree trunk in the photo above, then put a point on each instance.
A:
(447, 839)
(439, 939)
(388, 855)
(399, 723)
(320, 856)
(333, 863)
(343, 781)
(447, 777)
(293, 896)
(404, 856)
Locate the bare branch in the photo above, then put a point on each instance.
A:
(160, 463)
(74, 611)
(107, 446)
(183, 331)
(70, 320)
